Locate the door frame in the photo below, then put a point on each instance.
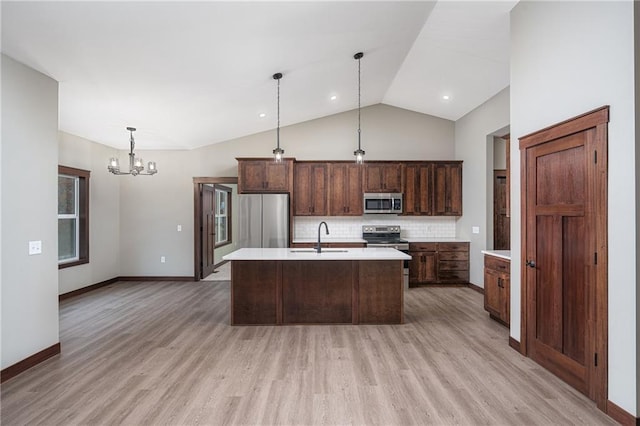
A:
(597, 119)
(197, 217)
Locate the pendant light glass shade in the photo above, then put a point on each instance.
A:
(359, 153)
(136, 164)
(278, 153)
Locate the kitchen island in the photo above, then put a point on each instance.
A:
(300, 286)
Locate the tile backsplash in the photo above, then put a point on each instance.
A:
(351, 227)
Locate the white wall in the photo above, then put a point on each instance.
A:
(30, 203)
(104, 212)
(151, 207)
(474, 145)
(568, 58)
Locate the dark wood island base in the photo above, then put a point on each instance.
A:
(316, 292)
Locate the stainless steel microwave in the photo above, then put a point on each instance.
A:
(382, 203)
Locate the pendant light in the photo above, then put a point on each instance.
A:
(278, 153)
(359, 153)
(136, 164)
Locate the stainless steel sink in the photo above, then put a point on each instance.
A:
(314, 251)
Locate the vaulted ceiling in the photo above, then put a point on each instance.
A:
(189, 74)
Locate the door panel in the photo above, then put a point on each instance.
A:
(574, 292)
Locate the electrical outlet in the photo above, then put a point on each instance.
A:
(163, 259)
(475, 229)
(35, 247)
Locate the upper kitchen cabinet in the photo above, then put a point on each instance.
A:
(310, 189)
(383, 177)
(264, 175)
(447, 188)
(418, 189)
(345, 189)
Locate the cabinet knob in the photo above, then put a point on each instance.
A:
(531, 263)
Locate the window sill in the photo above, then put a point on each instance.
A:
(226, 243)
(74, 263)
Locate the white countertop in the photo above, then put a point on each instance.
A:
(503, 254)
(310, 254)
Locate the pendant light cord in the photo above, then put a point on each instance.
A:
(359, 103)
(278, 128)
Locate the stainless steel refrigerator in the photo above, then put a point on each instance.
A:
(263, 220)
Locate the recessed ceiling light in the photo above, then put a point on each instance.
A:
(262, 115)
(333, 97)
(445, 97)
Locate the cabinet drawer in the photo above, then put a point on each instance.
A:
(423, 246)
(496, 263)
(453, 265)
(454, 255)
(453, 276)
(453, 247)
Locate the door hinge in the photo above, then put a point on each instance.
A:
(595, 258)
(595, 359)
(595, 157)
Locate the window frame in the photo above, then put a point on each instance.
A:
(221, 188)
(82, 214)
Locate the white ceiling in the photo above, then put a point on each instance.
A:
(197, 73)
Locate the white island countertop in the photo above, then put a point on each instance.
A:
(503, 254)
(372, 253)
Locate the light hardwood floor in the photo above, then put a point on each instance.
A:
(164, 353)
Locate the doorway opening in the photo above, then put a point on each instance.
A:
(213, 218)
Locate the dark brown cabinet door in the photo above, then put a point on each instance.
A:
(492, 292)
(263, 176)
(417, 189)
(383, 177)
(447, 189)
(497, 288)
(345, 189)
(310, 189)
(423, 267)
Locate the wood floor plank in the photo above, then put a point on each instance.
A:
(148, 353)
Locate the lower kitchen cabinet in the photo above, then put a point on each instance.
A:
(438, 263)
(497, 288)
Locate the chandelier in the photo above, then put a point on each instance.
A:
(136, 165)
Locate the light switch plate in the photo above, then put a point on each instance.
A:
(179, 228)
(35, 247)
(475, 229)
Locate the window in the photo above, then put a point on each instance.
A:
(223, 214)
(73, 216)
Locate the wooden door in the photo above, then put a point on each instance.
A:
(501, 222)
(492, 292)
(392, 177)
(373, 178)
(208, 229)
(564, 246)
(277, 176)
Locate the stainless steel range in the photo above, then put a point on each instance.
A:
(384, 236)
